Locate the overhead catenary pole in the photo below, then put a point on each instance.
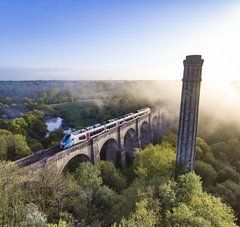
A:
(188, 118)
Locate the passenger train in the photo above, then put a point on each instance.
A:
(90, 132)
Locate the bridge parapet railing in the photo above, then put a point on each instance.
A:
(36, 156)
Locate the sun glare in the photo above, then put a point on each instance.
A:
(222, 48)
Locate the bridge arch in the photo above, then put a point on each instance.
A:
(145, 134)
(130, 144)
(155, 130)
(110, 151)
(74, 162)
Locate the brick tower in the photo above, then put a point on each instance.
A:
(188, 118)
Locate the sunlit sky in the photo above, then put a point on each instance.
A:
(118, 39)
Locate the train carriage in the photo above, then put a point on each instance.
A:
(87, 133)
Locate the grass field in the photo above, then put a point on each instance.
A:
(72, 112)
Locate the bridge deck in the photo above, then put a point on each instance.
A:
(38, 156)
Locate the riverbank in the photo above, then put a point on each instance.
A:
(75, 114)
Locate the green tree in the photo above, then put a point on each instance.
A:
(155, 161)
(188, 186)
(54, 194)
(52, 95)
(213, 210)
(101, 205)
(53, 139)
(17, 147)
(182, 215)
(12, 147)
(36, 127)
(181, 202)
(111, 176)
(219, 149)
(190, 205)
(127, 200)
(34, 144)
(143, 216)
(18, 126)
(230, 193)
(226, 172)
(201, 148)
(171, 138)
(233, 152)
(209, 158)
(12, 197)
(88, 176)
(206, 171)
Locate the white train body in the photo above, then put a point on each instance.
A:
(90, 132)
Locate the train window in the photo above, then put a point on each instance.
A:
(96, 132)
(82, 137)
(93, 133)
(111, 126)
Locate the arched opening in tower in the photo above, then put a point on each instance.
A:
(155, 130)
(145, 134)
(110, 152)
(73, 164)
(130, 144)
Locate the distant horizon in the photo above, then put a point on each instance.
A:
(24, 73)
(66, 74)
(120, 80)
(125, 39)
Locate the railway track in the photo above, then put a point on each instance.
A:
(39, 155)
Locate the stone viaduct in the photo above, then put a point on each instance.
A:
(117, 145)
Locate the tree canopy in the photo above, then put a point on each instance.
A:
(100, 195)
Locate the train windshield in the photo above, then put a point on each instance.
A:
(65, 139)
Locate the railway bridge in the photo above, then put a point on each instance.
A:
(117, 145)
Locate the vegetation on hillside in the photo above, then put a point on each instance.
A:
(85, 113)
(101, 195)
(19, 97)
(31, 126)
(218, 166)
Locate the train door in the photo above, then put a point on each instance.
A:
(88, 135)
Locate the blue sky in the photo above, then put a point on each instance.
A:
(118, 39)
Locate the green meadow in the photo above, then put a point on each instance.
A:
(76, 112)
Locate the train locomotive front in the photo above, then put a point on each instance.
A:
(67, 141)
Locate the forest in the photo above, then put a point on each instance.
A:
(149, 193)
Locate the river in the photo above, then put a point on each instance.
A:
(54, 123)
